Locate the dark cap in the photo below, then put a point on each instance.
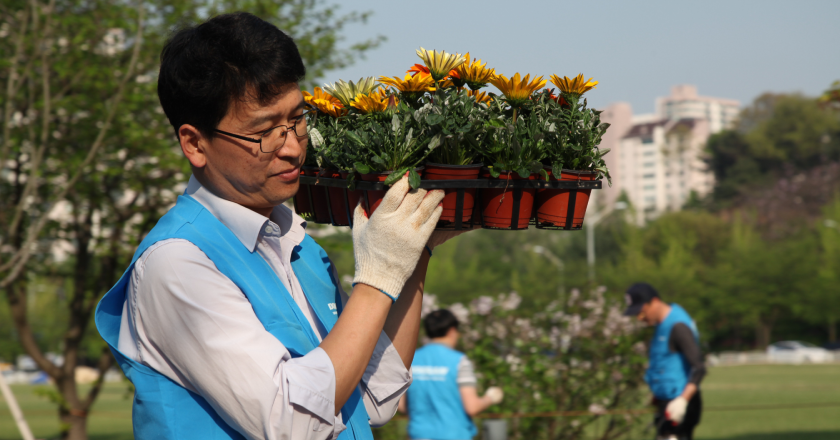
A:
(638, 295)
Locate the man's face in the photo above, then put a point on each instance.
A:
(238, 171)
(646, 315)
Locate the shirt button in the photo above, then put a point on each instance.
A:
(268, 229)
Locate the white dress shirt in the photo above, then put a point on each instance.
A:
(188, 321)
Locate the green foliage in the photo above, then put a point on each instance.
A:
(575, 134)
(575, 355)
(775, 133)
(458, 120)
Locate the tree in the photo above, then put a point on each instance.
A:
(777, 133)
(87, 160)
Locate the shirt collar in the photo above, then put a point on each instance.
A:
(246, 224)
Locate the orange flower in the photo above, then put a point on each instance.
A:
(374, 102)
(418, 68)
(325, 103)
(559, 99)
(481, 97)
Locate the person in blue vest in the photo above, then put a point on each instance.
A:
(675, 368)
(230, 320)
(443, 397)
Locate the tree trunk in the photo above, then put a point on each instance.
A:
(74, 427)
(832, 330)
(762, 335)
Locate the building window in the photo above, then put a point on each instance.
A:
(649, 164)
(647, 140)
(648, 176)
(649, 187)
(649, 153)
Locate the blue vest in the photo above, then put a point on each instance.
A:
(165, 410)
(667, 373)
(435, 408)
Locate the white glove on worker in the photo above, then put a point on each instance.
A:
(387, 245)
(675, 411)
(495, 394)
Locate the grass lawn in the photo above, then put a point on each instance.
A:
(771, 385)
(724, 387)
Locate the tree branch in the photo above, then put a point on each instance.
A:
(21, 257)
(106, 359)
(10, 90)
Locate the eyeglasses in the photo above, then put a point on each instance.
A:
(273, 139)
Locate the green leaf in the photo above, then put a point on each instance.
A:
(557, 170)
(523, 172)
(435, 142)
(355, 138)
(395, 124)
(361, 168)
(495, 172)
(413, 179)
(378, 160)
(395, 176)
(434, 118)
(544, 173)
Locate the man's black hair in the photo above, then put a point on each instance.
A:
(438, 323)
(205, 68)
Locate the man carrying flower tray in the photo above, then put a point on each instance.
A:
(230, 321)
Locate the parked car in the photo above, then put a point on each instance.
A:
(797, 352)
(832, 345)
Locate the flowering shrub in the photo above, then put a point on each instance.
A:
(581, 355)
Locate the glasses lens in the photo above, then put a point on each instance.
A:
(301, 127)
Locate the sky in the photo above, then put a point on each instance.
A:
(637, 50)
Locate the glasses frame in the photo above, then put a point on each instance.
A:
(285, 130)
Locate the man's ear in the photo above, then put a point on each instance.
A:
(193, 144)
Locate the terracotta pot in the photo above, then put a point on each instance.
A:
(552, 207)
(497, 203)
(301, 200)
(374, 198)
(436, 171)
(353, 196)
(338, 206)
(320, 208)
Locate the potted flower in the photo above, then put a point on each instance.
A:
(455, 117)
(389, 139)
(572, 152)
(513, 146)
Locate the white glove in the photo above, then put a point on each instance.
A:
(387, 245)
(495, 394)
(675, 411)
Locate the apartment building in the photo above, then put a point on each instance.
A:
(657, 159)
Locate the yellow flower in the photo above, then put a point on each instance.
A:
(375, 101)
(347, 91)
(476, 75)
(439, 62)
(411, 84)
(325, 103)
(576, 86)
(482, 97)
(517, 90)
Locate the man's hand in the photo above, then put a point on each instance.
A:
(387, 245)
(675, 411)
(495, 395)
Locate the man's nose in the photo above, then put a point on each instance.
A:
(293, 147)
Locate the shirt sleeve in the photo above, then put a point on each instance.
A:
(682, 341)
(466, 373)
(195, 326)
(385, 379)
